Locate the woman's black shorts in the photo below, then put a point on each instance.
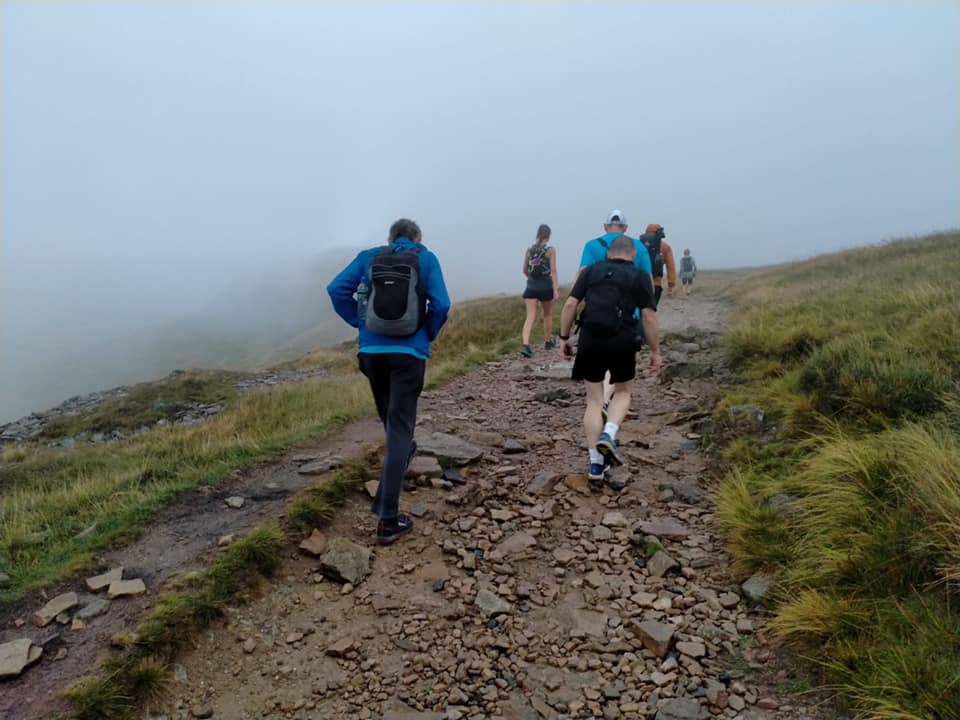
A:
(539, 291)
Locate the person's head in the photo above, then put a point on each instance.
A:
(543, 234)
(616, 222)
(656, 230)
(686, 252)
(622, 248)
(404, 228)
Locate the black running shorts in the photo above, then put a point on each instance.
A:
(596, 357)
(539, 289)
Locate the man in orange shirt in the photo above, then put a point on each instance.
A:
(661, 256)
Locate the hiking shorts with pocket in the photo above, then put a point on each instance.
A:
(597, 356)
(539, 289)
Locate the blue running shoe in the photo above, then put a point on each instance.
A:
(607, 447)
(595, 474)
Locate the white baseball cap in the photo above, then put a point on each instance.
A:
(616, 218)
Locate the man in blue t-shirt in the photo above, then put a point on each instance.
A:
(394, 366)
(596, 250)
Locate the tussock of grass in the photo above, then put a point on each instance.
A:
(854, 357)
(315, 506)
(140, 672)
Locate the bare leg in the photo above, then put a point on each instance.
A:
(547, 307)
(531, 318)
(608, 388)
(592, 419)
(619, 403)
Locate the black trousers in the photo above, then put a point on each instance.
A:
(396, 380)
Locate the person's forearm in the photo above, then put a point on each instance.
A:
(651, 331)
(566, 317)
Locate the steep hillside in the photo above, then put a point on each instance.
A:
(844, 474)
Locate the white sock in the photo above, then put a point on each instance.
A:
(595, 457)
(611, 429)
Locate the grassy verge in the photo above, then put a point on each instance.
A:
(59, 507)
(140, 671)
(849, 491)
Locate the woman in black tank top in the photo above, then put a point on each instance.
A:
(540, 268)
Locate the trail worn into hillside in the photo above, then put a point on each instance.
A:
(522, 593)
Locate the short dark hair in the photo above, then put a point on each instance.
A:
(405, 228)
(622, 245)
(543, 232)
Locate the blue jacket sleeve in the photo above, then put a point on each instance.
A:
(438, 301)
(589, 254)
(343, 287)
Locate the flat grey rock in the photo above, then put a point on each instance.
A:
(60, 604)
(100, 582)
(680, 709)
(16, 656)
(757, 586)
(448, 449)
(492, 604)
(96, 606)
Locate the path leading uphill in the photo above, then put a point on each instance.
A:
(522, 594)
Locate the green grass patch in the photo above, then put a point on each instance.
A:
(850, 491)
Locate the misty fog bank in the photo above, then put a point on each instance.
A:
(176, 178)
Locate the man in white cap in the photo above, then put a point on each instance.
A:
(596, 250)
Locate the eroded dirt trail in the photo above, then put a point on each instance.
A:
(523, 593)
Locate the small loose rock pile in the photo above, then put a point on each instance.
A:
(69, 612)
(522, 592)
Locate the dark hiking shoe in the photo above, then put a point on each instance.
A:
(607, 447)
(526, 351)
(389, 531)
(550, 344)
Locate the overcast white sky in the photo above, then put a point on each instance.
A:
(152, 151)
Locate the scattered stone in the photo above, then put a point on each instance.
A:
(125, 588)
(426, 466)
(564, 556)
(578, 483)
(666, 528)
(340, 648)
(16, 656)
(679, 709)
(371, 486)
(226, 540)
(513, 545)
(315, 544)
(543, 483)
(99, 582)
(96, 606)
(322, 466)
(513, 447)
(345, 561)
(655, 636)
(601, 533)
(614, 519)
(235, 501)
(661, 563)
(249, 646)
(453, 476)
(744, 625)
(757, 586)
(588, 623)
(420, 511)
(201, 712)
(492, 604)
(448, 449)
(502, 514)
(60, 604)
(692, 649)
(729, 600)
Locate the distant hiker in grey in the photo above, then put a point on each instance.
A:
(688, 271)
(396, 297)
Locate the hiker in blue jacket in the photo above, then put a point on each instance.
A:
(396, 297)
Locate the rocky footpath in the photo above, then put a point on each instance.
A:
(522, 593)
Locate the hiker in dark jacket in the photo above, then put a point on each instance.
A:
(613, 290)
(396, 297)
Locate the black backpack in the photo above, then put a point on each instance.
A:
(605, 313)
(652, 242)
(686, 264)
(397, 304)
(538, 262)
